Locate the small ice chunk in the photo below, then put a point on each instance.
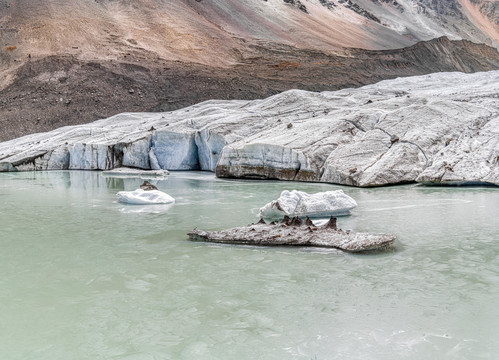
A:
(299, 203)
(125, 172)
(144, 197)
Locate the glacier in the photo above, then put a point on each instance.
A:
(441, 128)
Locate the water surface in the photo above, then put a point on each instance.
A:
(85, 277)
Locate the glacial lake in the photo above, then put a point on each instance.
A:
(85, 277)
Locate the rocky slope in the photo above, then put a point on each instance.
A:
(437, 129)
(74, 61)
(58, 91)
(211, 31)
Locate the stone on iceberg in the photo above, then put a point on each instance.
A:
(301, 204)
(144, 197)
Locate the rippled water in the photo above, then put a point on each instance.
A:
(84, 277)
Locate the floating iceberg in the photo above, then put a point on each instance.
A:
(144, 197)
(125, 172)
(301, 204)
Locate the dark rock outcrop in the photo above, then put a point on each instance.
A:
(298, 4)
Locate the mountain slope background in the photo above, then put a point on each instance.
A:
(74, 61)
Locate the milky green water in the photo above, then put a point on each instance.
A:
(85, 277)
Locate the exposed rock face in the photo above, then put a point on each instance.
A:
(295, 232)
(298, 4)
(356, 8)
(440, 128)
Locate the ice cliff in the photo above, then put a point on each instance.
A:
(437, 129)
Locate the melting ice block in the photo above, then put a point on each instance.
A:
(301, 204)
(144, 197)
(125, 172)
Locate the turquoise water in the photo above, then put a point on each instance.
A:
(85, 277)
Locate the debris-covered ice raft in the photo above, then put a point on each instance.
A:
(296, 232)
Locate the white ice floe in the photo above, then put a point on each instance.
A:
(125, 172)
(144, 197)
(299, 203)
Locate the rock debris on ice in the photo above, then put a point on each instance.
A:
(296, 232)
(436, 129)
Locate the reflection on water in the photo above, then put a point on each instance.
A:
(152, 209)
(86, 277)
